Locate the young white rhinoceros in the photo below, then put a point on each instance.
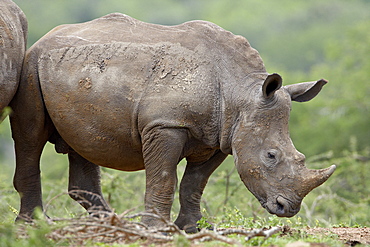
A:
(129, 95)
(13, 39)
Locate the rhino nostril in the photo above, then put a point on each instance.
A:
(280, 208)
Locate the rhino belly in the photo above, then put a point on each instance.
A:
(100, 133)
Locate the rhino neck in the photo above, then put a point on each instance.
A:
(237, 100)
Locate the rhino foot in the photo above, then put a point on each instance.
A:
(195, 228)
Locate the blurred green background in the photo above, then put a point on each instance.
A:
(300, 40)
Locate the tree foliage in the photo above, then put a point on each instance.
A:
(342, 111)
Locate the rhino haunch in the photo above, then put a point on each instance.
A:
(130, 95)
(13, 40)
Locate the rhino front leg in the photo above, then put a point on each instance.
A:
(162, 149)
(84, 183)
(191, 189)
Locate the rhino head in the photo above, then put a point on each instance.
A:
(266, 159)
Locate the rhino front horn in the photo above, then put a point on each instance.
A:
(317, 177)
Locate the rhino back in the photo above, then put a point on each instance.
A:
(219, 44)
(13, 36)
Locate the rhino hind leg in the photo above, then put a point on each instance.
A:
(31, 128)
(192, 185)
(27, 181)
(84, 184)
(84, 178)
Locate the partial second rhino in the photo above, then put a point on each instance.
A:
(13, 41)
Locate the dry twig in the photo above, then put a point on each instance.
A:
(108, 227)
(121, 229)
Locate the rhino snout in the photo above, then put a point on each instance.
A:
(282, 207)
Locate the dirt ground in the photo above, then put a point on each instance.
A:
(350, 236)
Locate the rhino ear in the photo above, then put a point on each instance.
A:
(272, 83)
(305, 91)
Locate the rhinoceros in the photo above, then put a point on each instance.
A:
(120, 93)
(13, 40)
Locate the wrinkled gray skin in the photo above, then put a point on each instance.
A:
(128, 95)
(13, 40)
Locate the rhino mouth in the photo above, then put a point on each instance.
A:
(282, 207)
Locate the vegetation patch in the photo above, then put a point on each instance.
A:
(124, 229)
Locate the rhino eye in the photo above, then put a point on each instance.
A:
(270, 155)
